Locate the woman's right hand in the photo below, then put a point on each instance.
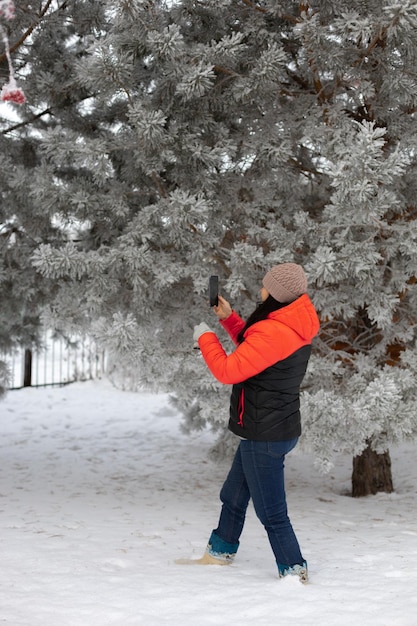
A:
(223, 310)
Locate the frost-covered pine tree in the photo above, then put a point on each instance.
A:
(172, 141)
(40, 42)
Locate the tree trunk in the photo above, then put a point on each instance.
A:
(27, 372)
(371, 473)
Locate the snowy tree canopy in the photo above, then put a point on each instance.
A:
(164, 142)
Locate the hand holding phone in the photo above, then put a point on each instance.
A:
(223, 309)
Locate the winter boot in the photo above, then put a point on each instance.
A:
(218, 552)
(294, 570)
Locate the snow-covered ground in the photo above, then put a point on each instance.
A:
(100, 492)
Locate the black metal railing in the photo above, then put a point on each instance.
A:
(58, 362)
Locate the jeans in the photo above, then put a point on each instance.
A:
(257, 472)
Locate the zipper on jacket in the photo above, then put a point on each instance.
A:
(241, 408)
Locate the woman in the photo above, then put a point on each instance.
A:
(266, 370)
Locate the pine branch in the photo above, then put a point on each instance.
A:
(26, 122)
(224, 70)
(254, 6)
(48, 111)
(378, 41)
(30, 30)
(159, 184)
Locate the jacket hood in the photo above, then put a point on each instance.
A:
(300, 316)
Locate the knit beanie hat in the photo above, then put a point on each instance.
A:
(285, 282)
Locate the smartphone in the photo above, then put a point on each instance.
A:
(214, 290)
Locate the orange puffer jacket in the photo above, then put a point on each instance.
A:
(266, 370)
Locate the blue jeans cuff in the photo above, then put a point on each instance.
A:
(219, 548)
(285, 570)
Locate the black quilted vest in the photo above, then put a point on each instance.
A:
(266, 407)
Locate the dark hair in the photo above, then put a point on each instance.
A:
(261, 313)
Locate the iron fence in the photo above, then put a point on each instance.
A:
(58, 361)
